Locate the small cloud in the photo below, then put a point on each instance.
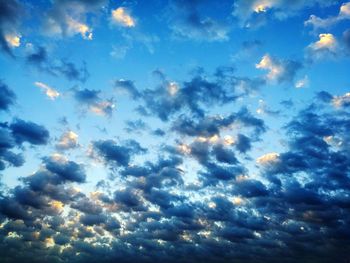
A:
(50, 92)
(341, 101)
(13, 40)
(327, 45)
(188, 20)
(7, 97)
(268, 158)
(302, 83)
(68, 140)
(122, 17)
(278, 70)
(91, 100)
(75, 27)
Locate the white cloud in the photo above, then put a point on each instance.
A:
(317, 22)
(327, 45)
(302, 83)
(50, 92)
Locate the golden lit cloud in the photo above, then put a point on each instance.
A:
(326, 41)
(75, 26)
(13, 40)
(68, 140)
(267, 63)
(268, 158)
(173, 88)
(50, 92)
(340, 101)
(122, 17)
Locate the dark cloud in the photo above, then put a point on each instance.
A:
(67, 170)
(187, 21)
(10, 13)
(129, 199)
(127, 86)
(41, 60)
(91, 100)
(7, 96)
(117, 155)
(210, 126)
(243, 143)
(194, 96)
(346, 37)
(30, 132)
(14, 135)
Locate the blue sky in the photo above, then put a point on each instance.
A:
(174, 131)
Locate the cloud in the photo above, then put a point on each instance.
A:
(116, 155)
(210, 126)
(302, 83)
(187, 22)
(254, 13)
(30, 132)
(10, 14)
(279, 70)
(7, 97)
(346, 39)
(122, 17)
(13, 40)
(67, 170)
(326, 46)
(319, 23)
(68, 18)
(193, 95)
(50, 92)
(128, 87)
(40, 59)
(90, 100)
(7, 143)
(268, 158)
(341, 101)
(68, 140)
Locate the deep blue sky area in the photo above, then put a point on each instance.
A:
(174, 131)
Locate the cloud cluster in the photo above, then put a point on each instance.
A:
(279, 70)
(90, 100)
(189, 23)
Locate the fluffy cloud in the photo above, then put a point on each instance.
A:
(30, 132)
(40, 59)
(10, 14)
(7, 96)
(186, 21)
(326, 46)
(318, 23)
(252, 13)
(90, 100)
(68, 140)
(278, 70)
(341, 101)
(68, 18)
(122, 17)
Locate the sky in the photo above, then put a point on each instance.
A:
(174, 131)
